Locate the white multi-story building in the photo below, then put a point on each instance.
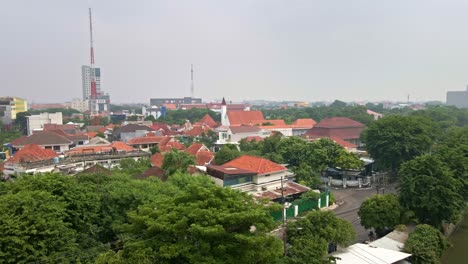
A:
(37, 122)
(86, 81)
(79, 105)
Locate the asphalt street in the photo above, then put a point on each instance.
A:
(349, 201)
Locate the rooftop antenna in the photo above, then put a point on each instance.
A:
(191, 81)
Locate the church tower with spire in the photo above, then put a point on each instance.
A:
(224, 118)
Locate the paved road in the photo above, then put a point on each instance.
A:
(351, 200)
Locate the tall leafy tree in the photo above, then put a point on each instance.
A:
(426, 244)
(393, 140)
(202, 224)
(325, 225)
(429, 189)
(380, 212)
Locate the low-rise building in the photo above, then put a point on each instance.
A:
(258, 176)
(37, 122)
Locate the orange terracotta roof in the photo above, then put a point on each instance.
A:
(170, 106)
(237, 118)
(338, 122)
(203, 157)
(194, 148)
(121, 146)
(304, 122)
(256, 164)
(197, 131)
(256, 138)
(157, 159)
(343, 143)
(171, 145)
(276, 122)
(207, 120)
(115, 146)
(32, 153)
(91, 134)
(102, 129)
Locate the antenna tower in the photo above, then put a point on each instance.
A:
(192, 90)
(92, 73)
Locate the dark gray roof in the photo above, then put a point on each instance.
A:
(45, 138)
(93, 128)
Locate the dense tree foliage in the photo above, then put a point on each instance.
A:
(426, 244)
(175, 160)
(393, 140)
(310, 236)
(201, 224)
(380, 212)
(325, 225)
(338, 108)
(429, 189)
(53, 218)
(193, 115)
(227, 153)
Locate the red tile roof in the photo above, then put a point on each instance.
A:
(118, 146)
(170, 106)
(195, 147)
(19, 141)
(171, 145)
(237, 118)
(305, 123)
(197, 131)
(203, 157)
(256, 138)
(149, 140)
(91, 134)
(339, 122)
(153, 171)
(343, 143)
(207, 120)
(121, 146)
(157, 159)
(275, 122)
(32, 153)
(256, 164)
(340, 127)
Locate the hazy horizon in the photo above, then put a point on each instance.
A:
(242, 50)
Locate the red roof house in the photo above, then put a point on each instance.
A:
(337, 127)
(256, 164)
(238, 118)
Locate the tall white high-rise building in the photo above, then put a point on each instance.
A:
(86, 81)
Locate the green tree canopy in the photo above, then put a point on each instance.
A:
(175, 160)
(33, 228)
(426, 244)
(202, 224)
(323, 224)
(393, 140)
(428, 188)
(380, 212)
(227, 153)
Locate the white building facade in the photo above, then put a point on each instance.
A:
(36, 122)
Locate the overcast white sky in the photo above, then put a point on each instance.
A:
(244, 49)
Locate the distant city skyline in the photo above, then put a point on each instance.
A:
(242, 50)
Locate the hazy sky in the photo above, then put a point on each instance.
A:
(244, 49)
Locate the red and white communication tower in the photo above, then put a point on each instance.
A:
(92, 74)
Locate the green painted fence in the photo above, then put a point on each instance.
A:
(304, 205)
